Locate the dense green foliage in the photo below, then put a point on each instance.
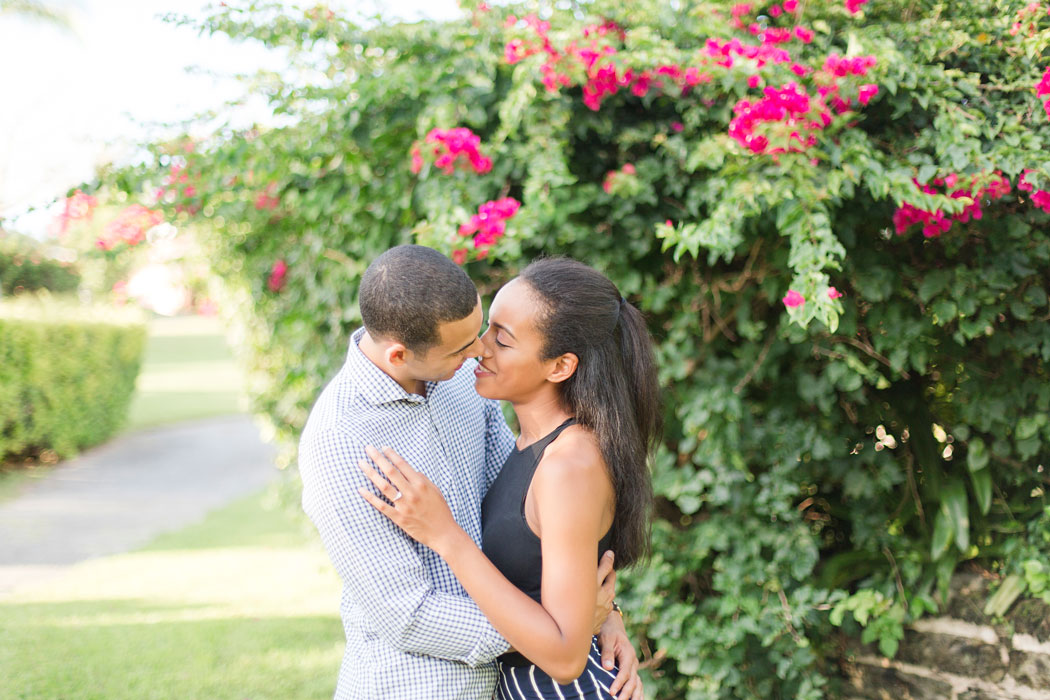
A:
(66, 377)
(26, 267)
(827, 463)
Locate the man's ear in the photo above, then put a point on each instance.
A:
(563, 367)
(397, 354)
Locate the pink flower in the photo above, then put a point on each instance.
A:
(1041, 199)
(998, 188)
(459, 256)
(417, 160)
(854, 5)
(833, 293)
(867, 92)
(1043, 86)
(628, 168)
(790, 5)
(677, 127)
(278, 273)
(130, 226)
(1022, 182)
(455, 147)
(775, 11)
(793, 299)
(753, 81)
(804, 35)
(267, 198)
(669, 223)
(489, 224)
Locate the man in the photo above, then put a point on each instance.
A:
(411, 630)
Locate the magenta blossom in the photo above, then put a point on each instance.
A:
(793, 299)
(278, 274)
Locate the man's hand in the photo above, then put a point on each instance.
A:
(612, 636)
(617, 651)
(606, 591)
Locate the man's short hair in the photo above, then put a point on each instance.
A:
(409, 290)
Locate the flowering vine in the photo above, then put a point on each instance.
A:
(452, 148)
(129, 227)
(486, 227)
(77, 206)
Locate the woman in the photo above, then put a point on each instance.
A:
(575, 361)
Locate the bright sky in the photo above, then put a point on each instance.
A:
(74, 98)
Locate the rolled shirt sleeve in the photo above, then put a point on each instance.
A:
(382, 570)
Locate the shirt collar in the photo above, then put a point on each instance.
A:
(375, 385)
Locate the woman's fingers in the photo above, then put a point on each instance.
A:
(391, 492)
(399, 462)
(379, 504)
(389, 469)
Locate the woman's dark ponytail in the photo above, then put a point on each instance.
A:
(614, 391)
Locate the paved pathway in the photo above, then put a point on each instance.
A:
(119, 496)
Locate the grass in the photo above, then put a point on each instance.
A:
(242, 605)
(187, 372)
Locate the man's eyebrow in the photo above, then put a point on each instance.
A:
(501, 327)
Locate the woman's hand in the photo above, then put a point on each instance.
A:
(412, 502)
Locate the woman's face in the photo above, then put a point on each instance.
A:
(510, 368)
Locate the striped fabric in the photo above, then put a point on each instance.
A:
(412, 633)
(530, 683)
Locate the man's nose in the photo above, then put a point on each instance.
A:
(476, 349)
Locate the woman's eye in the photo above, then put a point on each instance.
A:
(502, 345)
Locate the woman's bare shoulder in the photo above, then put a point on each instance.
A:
(574, 454)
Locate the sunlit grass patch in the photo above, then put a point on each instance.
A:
(188, 372)
(241, 605)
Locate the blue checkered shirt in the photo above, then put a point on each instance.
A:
(411, 630)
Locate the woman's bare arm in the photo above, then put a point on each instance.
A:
(571, 494)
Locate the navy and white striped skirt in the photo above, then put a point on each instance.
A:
(531, 683)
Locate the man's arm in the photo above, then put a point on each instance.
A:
(499, 441)
(379, 565)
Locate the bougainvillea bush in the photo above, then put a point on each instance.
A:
(834, 214)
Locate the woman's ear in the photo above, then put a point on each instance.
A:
(563, 367)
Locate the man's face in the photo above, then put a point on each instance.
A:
(457, 340)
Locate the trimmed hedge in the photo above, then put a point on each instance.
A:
(66, 377)
(25, 267)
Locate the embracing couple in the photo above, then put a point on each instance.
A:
(476, 565)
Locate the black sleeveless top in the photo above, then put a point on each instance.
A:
(506, 537)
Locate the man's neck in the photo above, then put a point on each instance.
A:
(374, 351)
(539, 416)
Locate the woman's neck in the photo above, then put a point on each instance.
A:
(539, 416)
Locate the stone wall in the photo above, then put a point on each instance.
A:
(961, 655)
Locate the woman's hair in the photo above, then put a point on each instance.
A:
(614, 391)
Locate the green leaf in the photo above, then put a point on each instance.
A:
(934, 283)
(888, 646)
(976, 454)
(955, 507)
(982, 488)
(1000, 601)
(942, 535)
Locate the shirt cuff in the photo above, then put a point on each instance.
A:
(489, 647)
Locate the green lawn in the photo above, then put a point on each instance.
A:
(187, 372)
(240, 606)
